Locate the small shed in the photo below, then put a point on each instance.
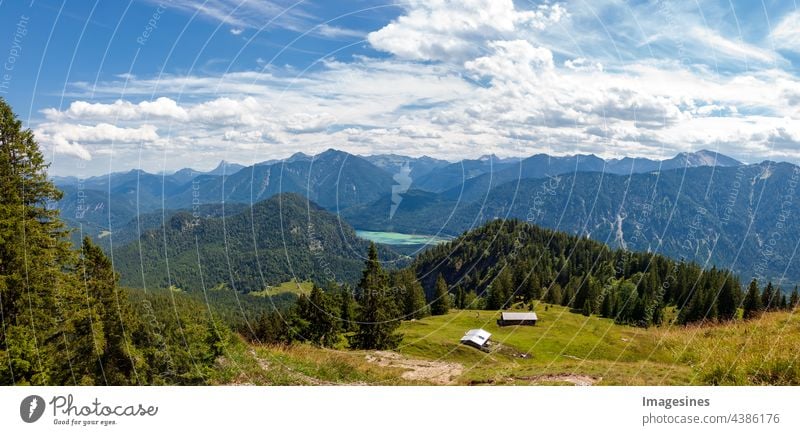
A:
(509, 319)
(477, 338)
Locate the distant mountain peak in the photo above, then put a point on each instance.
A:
(706, 157)
(225, 167)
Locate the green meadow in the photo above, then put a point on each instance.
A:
(564, 348)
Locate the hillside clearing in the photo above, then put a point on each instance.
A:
(564, 348)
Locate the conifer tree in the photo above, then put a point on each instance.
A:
(36, 290)
(412, 295)
(441, 302)
(117, 357)
(347, 309)
(794, 299)
(377, 314)
(728, 300)
(322, 317)
(768, 298)
(752, 301)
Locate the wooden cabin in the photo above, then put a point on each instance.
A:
(477, 338)
(512, 319)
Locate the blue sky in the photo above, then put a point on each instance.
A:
(110, 85)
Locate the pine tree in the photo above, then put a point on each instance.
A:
(347, 309)
(554, 294)
(36, 292)
(459, 302)
(117, 356)
(322, 317)
(768, 297)
(441, 302)
(794, 299)
(728, 300)
(377, 314)
(607, 307)
(752, 301)
(587, 308)
(412, 295)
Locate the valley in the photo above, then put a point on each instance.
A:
(634, 203)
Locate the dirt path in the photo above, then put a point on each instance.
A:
(580, 380)
(438, 372)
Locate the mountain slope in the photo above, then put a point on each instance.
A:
(509, 261)
(725, 216)
(332, 179)
(417, 166)
(271, 242)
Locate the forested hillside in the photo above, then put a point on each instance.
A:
(505, 262)
(65, 320)
(274, 241)
(730, 217)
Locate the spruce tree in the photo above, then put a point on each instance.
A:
(794, 299)
(37, 292)
(322, 317)
(587, 308)
(441, 302)
(728, 300)
(412, 294)
(377, 314)
(752, 301)
(768, 298)
(117, 356)
(347, 309)
(460, 295)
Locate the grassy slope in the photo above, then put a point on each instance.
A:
(765, 351)
(561, 343)
(294, 287)
(301, 364)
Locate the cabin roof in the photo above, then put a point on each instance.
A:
(518, 316)
(477, 336)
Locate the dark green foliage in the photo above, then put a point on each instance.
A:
(752, 301)
(347, 309)
(377, 314)
(768, 298)
(729, 299)
(634, 288)
(37, 294)
(283, 238)
(321, 315)
(587, 308)
(177, 338)
(410, 293)
(441, 298)
(114, 358)
(794, 299)
(276, 327)
(500, 291)
(65, 320)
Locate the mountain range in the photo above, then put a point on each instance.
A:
(701, 206)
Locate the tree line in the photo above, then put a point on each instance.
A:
(508, 262)
(339, 316)
(65, 320)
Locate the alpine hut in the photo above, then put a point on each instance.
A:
(477, 338)
(509, 319)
